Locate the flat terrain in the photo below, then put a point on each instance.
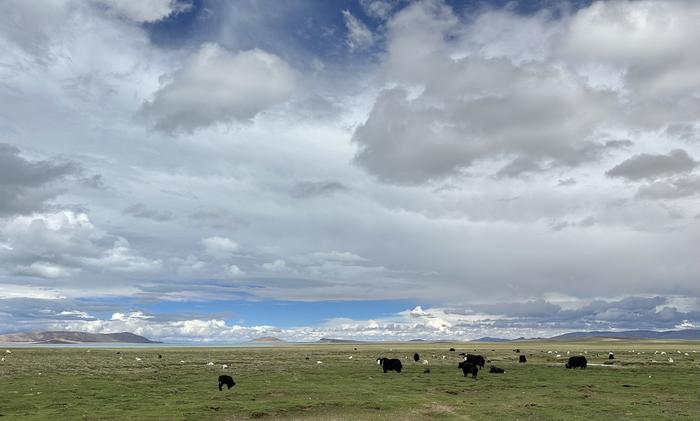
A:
(281, 383)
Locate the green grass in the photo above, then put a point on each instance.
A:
(279, 383)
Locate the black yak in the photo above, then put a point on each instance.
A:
(468, 368)
(577, 361)
(522, 359)
(452, 350)
(476, 360)
(390, 364)
(497, 370)
(611, 356)
(416, 357)
(226, 380)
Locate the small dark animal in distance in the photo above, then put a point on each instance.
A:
(389, 364)
(462, 354)
(426, 371)
(496, 370)
(577, 361)
(611, 356)
(452, 350)
(522, 359)
(468, 368)
(226, 380)
(517, 350)
(416, 357)
(160, 356)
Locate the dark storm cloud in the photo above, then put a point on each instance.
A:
(647, 166)
(25, 185)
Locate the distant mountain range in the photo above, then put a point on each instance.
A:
(490, 339)
(688, 334)
(68, 337)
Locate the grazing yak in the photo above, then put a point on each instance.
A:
(226, 380)
(476, 360)
(390, 364)
(496, 370)
(468, 368)
(416, 357)
(452, 350)
(522, 359)
(611, 356)
(577, 361)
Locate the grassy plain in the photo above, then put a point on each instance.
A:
(281, 383)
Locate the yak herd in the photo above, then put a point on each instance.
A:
(469, 366)
(472, 363)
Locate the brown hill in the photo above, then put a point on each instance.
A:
(68, 337)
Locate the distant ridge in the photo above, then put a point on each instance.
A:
(490, 339)
(687, 334)
(267, 340)
(338, 341)
(71, 337)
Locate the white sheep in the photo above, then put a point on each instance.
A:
(2, 360)
(558, 355)
(7, 351)
(210, 363)
(350, 357)
(686, 354)
(182, 361)
(670, 360)
(678, 352)
(443, 357)
(138, 359)
(319, 362)
(663, 352)
(425, 362)
(549, 352)
(224, 366)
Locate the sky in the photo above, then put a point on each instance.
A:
(216, 171)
